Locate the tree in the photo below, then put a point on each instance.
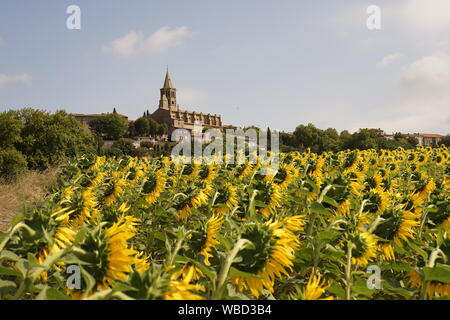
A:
(445, 141)
(48, 139)
(153, 126)
(316, 139)
(126, 147)
(365, 139)
(39, 140)
(10, 129)
(162, 129)
(142, 127)
(112, 126)
(12, 163)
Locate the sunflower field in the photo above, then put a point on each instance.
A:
(372, 224)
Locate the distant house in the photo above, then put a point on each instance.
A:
(85, 118)
(424, 139)
(135, 142)
(427, 139)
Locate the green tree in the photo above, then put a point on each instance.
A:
(365, 139)
(112, 126)
(12, 163)
(126, 147)
(10, 129)
(162, 129)
(142, 127)
(445, 141)
(153, 127)
(48, 139)
(316, 139)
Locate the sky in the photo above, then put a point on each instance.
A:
(268, 63)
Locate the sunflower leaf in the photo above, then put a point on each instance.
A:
(440, 272)
(237, 273)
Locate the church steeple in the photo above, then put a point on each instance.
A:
(168, 94)
(168, 81)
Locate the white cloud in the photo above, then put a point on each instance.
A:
(427, 15)
(389, 59)
(429, 75)
(160, 41)
(164, 38)
(127, 45)
(6, 79)
(423, 97)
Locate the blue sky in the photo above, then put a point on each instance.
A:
(263, 62)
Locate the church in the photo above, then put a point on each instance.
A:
(169, 112)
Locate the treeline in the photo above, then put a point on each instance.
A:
(34, 139)
(308, 136)
(113, 127)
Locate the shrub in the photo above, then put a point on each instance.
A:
(125, 146)
(146, 144)
(140, 152)
(12, 163)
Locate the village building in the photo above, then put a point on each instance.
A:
(169, 112)
(424, 139)
(85, 118)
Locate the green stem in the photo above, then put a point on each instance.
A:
(348, 272)
(14, 230)
(431, 262)
(224, 270)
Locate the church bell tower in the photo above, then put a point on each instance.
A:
(168, 94)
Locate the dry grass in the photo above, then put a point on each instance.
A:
(27, 189)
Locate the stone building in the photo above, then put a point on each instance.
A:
(427, 139)
(169, 112)
(85, 118)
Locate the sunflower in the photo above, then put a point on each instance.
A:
(113, 257)
(194, 197)
(213, 226)
(317, 172)
(184, 290)
(398, 226)
(63, 238)
(207, 173)
(438, 214)
(424, 189)
(435, 288)
(365, 248)
(190, 171)
(120, 258)
(272, 256)
(377, 201)
(142, 262)
(153, 187)
(227, 199)
(271, 195)
(188, 268)
(244, 170)
(373, 182)
(201, 197)
(315, 289)
(113, 189)
(80, 208)
(285, 175)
